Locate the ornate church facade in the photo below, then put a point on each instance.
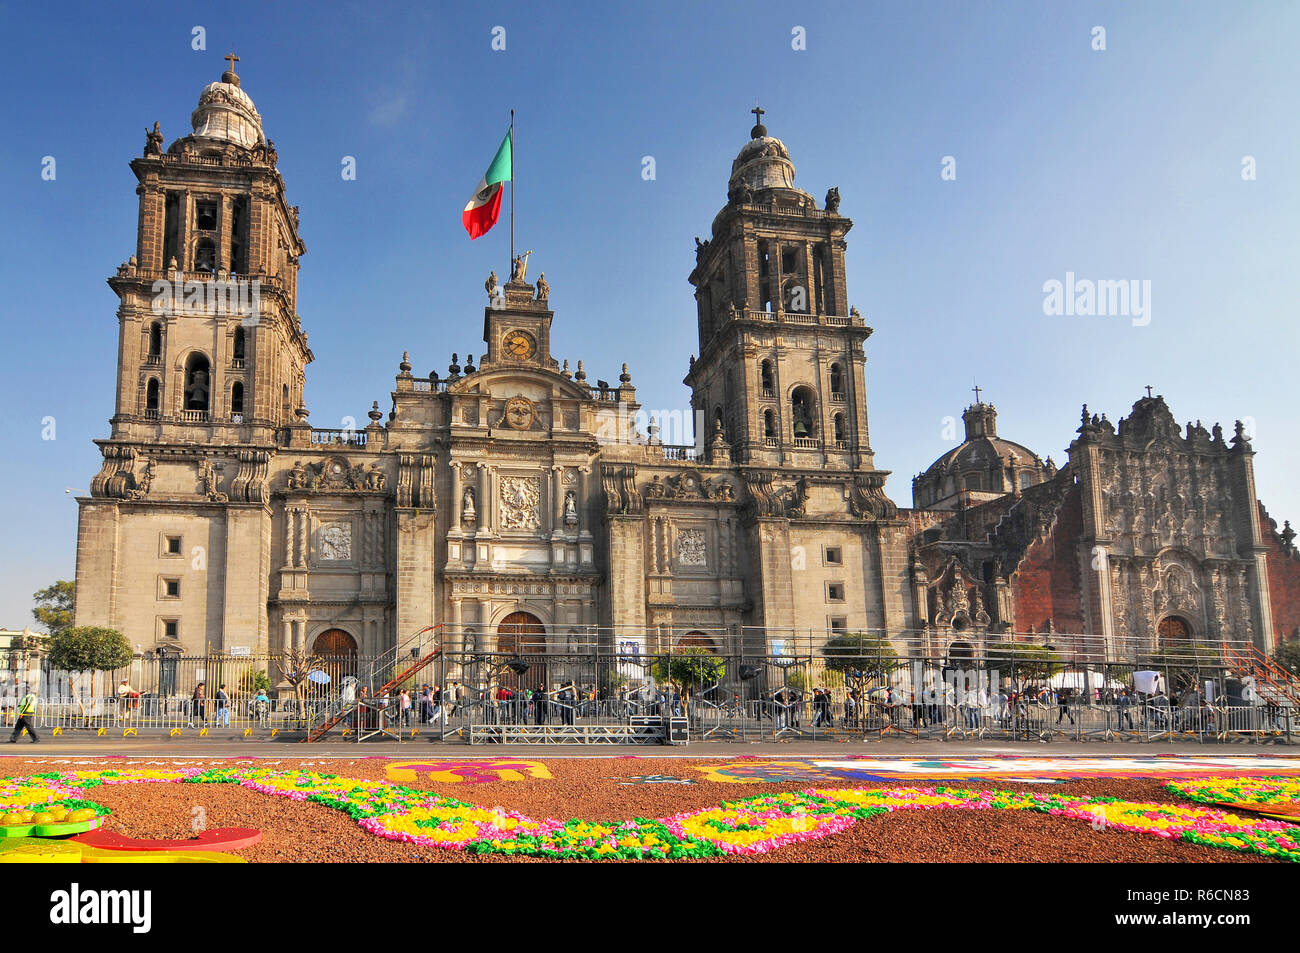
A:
(515, 499)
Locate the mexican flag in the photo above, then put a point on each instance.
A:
(484, 207)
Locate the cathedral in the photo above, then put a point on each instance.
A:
(515, 501)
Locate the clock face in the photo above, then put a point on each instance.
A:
(520, 345)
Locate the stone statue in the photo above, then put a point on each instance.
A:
(467, 512)
(491, 286)
(297, 476)
(744, 194)
(153, 141)
(543, 289)
(833, 201)
(211, 482)
(570, 509)
(519, 270)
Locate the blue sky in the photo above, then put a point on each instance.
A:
(1119, 164)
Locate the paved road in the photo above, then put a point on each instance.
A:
(66, 746)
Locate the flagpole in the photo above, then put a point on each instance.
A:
(512, 190)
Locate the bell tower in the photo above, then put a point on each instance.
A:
(210, 347)
(781, 363)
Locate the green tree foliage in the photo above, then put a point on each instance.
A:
(89, 648)
(54, 606)
(1022, 661)
(857, 656)
(693, 666)
(1287, 654)
(252, 680)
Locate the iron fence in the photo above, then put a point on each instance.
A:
(739, 684)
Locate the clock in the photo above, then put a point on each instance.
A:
(519, 345)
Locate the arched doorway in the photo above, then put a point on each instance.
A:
(1174, 631)
(697, 640)
(519, 635)
(338, 654)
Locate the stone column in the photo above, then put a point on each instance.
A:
(455, 496)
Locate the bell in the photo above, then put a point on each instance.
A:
(800, 429)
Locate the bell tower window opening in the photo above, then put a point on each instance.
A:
(205, 216)
(205, 255)
(239, 236)
(155, 343)
(769, 425)
(237, 349)
(198, 378)
(839, 431)
(237, 400)
(151, 398)
(171, 228)
(802, 413)
(766, 378)
(837, 382)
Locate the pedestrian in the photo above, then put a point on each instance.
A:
(1063, 706)
(918, 710)
(540, 702)
(1122, 703)
(26, 719)
(124, 696)
(199, 704)
(223, 707)
(404, 706)
(262, 706)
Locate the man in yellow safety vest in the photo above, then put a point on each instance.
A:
(26, 718)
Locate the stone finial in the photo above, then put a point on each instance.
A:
(1288, 535)
(375, 413)
(564, 371)
(469, 363)
(625, 377)
(405, 366)
(454, 367)
(581, 375)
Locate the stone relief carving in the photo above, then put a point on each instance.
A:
(691, 548)
(521, 502)
(335, 541)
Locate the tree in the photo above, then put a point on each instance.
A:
(252, 681)
(691, 666)
(89, 648)
(859, 657)
(1022, 662)
(54, 606)
(1287, 655)
(294, 668)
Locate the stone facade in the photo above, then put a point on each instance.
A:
(518, 492)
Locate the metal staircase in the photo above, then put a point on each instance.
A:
(1272, 681)
(413, 647)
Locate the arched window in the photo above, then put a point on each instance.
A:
(766, 378)
(205, 255)
(198, 379)
(237, 399)
(769, 425)
(284, 388)
(155, 342)
(795, 297)
(839, 428)
(151, 398)
(239, 344)
(803, 413)
(837, 381)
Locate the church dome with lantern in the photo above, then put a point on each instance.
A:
(982, 467)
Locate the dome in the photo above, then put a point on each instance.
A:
(983, 465)
(225, 112)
